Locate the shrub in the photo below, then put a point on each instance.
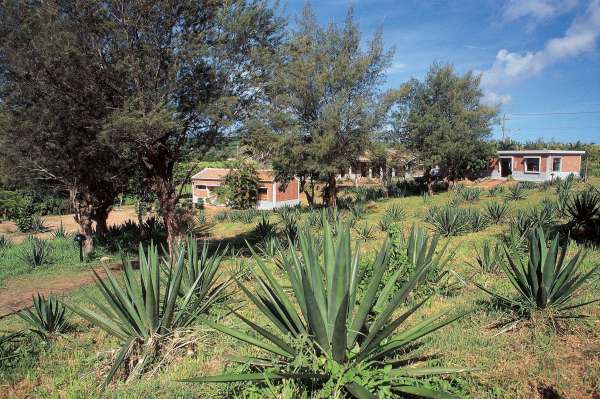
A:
(47, 317)
(497, 211)
(60, 232)
(324, 331)
(489, 258)
(495, 191)
(24, 223)
(264, 228)
(516, 192)
(36, 252)
(145, 308)
(448, 220)
(395, 213)
(545, 280)
(584, 207)
(240, 186)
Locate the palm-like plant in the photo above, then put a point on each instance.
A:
(324, 310)
(584, 206)
(497, 211)
(546, 280)
(365, 231)
(264, 228)
(46, 317)
(395, 213)
(516, 192)
(145, 307)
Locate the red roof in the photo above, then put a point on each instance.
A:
(264, 175)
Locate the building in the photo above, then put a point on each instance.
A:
(537, 165)
(365, 169)
(270, 194)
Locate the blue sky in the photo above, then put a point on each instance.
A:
(536, 56)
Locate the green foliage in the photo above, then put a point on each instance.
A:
(290, 224)
(323, 317)
(477, 219)
(366, 194)
(47, 317)
(365, 231)
(497, 211)
(528, 185)
(446, 122)
(60, 233)
(4, 242)
(564, 185)
(516, 192)
(584, 207)
(545, 280)
(384, 223)
(395, 213)
(36, 252)
(495, 191)
(148, 306)
(239, 189)
(469, 193)
(448, 220)
(264, 228)
(489, 258)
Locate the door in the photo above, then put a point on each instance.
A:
(505, 167)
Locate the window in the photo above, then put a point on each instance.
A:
(201, 187)
(262, 192)
(532, 165)
(556, 164)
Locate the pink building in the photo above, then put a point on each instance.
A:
(537, 165)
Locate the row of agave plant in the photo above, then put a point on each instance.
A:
(353, 326)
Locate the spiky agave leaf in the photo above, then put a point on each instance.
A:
(324, 307)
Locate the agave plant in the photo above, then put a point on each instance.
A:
(469, 193)
(220, 217)
(4, 242)
(47, 317)
(495, 191)
(565, 185)
(584, 207)
(448, 220)
(325, 311)
(545, 280)
(516, 192)
(357, 210)
(489, 258)
(290, 225)
(60, 232)
(477, 220)
(497, 211)
(264, 228)
(201, 275)
(395, 213)
(36, 252)
(365, 231)
(528, 185)
(384, 223)
(144, 308)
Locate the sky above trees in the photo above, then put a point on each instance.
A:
(536, 56)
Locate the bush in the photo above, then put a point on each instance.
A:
(324, 331)
(240, 186)
(583, 207)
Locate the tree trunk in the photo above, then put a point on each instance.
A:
(429, 183)
(330, 192)
(310, 193)
(100, 217)
(168, 198)
(83, 205)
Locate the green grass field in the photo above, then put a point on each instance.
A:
(530, 360)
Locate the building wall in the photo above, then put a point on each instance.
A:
(570, 164)
(290, 193)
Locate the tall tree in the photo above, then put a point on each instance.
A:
(444, 121)
(58, 83)
(325, 101)
(193, 70)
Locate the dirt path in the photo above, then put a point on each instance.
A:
(16, 294)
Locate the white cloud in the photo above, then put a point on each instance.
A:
(511, 67)
(494, 99)
(396, 67)
(537, 10)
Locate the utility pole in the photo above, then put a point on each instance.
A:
(504, 119)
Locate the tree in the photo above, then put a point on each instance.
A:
(444, 121)
(324, 102)
(193, 70)
(58, 84)
(240, 186)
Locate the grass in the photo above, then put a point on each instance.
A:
(518, 363)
